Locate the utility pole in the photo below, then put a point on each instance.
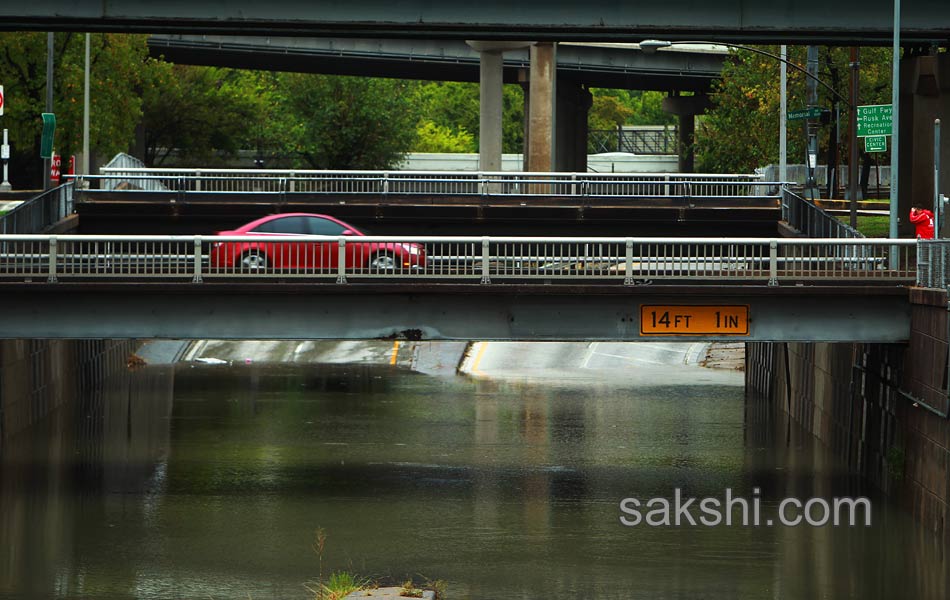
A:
(853, 140)
(47, 162)
(85, 115)
(811, 127)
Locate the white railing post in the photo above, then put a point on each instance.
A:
(341, 262)
(51, 276)
(197, 180)
(386, 184)
(773, 262)
(196, 273)
(628, 263)
(293, 182)
(485, 250)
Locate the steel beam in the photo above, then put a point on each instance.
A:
(436, 312)
(846, 21)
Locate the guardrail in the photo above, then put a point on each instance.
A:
(933, 264)
(432, 183)
(813, 221)
(39, 213)
(481, 259)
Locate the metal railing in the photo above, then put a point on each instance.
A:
(465, 259)
(635, 141)
(40, 213)
(432, 183)
(813, 221)
(933, 264)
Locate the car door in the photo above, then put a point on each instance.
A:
(324, 255)
(285, 255)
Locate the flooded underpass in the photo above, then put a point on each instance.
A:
(504, 482)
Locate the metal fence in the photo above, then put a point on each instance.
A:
(635, 141)
(465, 259)
(40, 213)
(811, 220)
(933, 262)
(432, 183)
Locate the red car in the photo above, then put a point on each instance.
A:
(271, 253)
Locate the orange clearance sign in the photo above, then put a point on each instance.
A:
(693, 319)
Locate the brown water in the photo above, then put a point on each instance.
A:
(502, 490)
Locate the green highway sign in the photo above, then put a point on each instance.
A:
(46, 141)
(874, 120)
(804, 113)
(875, 143)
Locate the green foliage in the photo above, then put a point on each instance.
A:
(611, 108)
(347, 122)
(117, 62)
(431, 137)
(741, 132)
(454, 107)
(205, 114)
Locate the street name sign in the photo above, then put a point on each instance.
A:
(804, 113)
(874, 120)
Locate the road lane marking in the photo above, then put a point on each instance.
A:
(395, 355)
(482, 346)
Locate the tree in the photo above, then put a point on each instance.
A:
(348, 122)
(741, 132)
(205, 114)
(431, 137)
(117, 62)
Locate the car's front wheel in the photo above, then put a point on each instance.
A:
(383, 261)
(254, 261)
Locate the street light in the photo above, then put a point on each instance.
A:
(651, 46)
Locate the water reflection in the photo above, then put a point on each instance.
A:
(502, 489)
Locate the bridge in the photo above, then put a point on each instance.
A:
(782, 21)
(414, 201)
(830, 286)
(455, 288)
(687, 68)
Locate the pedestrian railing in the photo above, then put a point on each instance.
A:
(40, 213)
(458, 259)
(430, 183)
(811, 220)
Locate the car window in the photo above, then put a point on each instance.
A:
(320, 226)
(293, 225)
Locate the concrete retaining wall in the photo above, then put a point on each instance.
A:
(875, 406)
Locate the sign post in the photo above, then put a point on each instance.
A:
(5, 156)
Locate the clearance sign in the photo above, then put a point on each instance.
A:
(694, 319)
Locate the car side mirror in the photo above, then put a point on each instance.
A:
(348, 232)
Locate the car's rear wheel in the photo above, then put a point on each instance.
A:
(254, 261)
(383, 261)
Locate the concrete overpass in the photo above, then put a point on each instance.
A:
(618, 66)
(779, 21)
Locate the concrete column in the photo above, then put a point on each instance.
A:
(491, 79)
(490, 109)
(687, 157)
(572, 106)
(925, 96)
(686, 108)
(540, 149)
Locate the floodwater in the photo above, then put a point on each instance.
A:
(503, 489)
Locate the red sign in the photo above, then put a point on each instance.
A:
(1, 100)
(72, 165)
(54, 168)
